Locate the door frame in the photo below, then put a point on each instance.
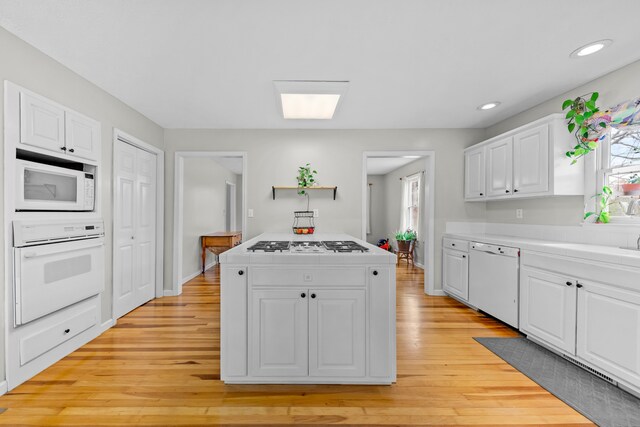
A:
(138, 143)
(428, 196)
(231, 193)
(178, 202)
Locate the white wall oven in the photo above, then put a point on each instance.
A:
(56, 264)
(44, 187)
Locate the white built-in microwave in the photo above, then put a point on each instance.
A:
(42, 187)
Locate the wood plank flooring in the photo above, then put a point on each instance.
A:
(160, 367)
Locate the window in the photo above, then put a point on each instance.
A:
(412, 202)
(620, 171)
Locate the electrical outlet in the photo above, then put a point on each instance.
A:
(519, 213)
(316, 213)
(250, 213)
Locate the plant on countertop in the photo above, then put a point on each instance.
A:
(306, 178)
(406, 235)
(581, 124)
(603, 216)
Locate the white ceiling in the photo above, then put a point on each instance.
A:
(410, 63)
(384, 165)
(234, 164)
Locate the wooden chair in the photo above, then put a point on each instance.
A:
(405, 251)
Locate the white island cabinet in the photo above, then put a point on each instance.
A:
(323, 317)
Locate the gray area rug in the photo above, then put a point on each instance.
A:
(596, 399)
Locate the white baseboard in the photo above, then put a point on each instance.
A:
(417, 264)
(4, 387)
(107, 325)
(437, 293)
(170, 293)
(197, 273)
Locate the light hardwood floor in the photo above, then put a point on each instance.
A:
(160, 366)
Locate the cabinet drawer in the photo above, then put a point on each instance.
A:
(309, 276)
(458, 245)
(51, 336)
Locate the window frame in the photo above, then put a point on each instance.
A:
(407, 196)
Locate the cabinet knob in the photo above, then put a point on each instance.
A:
(375, 272)
(569, 283)
(578, 285)
(71, 150)
(481, 194)
(453, 244)
(506, 191)
(515, 191)
(302, 295)
(240, 272)
(464, 256)
(63, 148)
(313, 295)
(66, 331)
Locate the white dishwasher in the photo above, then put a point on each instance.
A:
(493, 281)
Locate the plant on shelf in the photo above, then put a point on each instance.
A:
(632, 186)
(602, 217)
(306, 178)
(581, 123)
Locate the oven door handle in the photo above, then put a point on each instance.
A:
(34, 254)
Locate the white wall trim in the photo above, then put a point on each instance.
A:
(170, 293)
(4, 387)
(178, 203)
(107, 325)
(429, 197)
(130, 139)
(198, 273)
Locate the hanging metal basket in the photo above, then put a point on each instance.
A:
(303, 222)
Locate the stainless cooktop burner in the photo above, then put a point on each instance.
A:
(267, 246)
(308, 247)
(344, 246)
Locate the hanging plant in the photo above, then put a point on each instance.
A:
(581, 123)
(604, 197)
(306, 178)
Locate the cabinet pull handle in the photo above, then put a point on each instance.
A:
(71, 150)
(66, 331)
(313, 295)
(578, 285)
(240, 272)
(302, 295)
(569, 283)
(375, 272)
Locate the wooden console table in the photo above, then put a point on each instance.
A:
(218, 243)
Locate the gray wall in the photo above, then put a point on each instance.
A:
(26, 66)
(615, 87)
(204, 207)
(274, 157)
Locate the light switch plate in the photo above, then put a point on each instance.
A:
(250, 213)
(316, 213)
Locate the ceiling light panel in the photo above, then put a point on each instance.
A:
(310, 100)
(590, 48)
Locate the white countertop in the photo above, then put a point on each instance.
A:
(240, 255)
(608, 254)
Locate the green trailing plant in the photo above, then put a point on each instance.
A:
(306, 178)
(603, 204)
(581, 110)
(406, 235)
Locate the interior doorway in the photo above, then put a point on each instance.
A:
(209, 196)
(397, 194)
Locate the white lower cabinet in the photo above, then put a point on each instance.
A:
(609, 329)
(455, 273)
(548, 308)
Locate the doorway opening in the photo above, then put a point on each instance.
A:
(209, 197)
(397, 195)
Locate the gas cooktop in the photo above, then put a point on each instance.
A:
(310, 247)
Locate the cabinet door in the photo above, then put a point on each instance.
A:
(474, 174)
(499, 167)
(233, 322)
(609, 330)
(279, 333)
(41, 123)
(548, 308)
(337, 333)
(531, 161)
(82, 136)
(455, 273)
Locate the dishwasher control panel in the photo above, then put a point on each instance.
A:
(495, 249)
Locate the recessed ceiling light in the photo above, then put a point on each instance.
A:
(310, 100)
(489, 105)
(590, 48)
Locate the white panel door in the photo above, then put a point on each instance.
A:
(609, 329)
(531, 161)
(82, 136)
(41, 123)
(134, 228)
(455, 273)
(279, 333)
(548, 308)
(474, 174)
(337, 333)
(499, 157)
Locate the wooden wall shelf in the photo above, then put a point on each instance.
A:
(292, 187)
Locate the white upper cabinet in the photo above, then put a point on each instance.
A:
(82, 136)
(499, 167)
(474, 174)
(528, 161)
(531, 161)
(53, 128)
(41, 123)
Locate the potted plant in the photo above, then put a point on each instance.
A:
(581, 122)
(404, 239)
(602, 217)
(632, 187)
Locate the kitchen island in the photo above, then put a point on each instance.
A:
(311, 309)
